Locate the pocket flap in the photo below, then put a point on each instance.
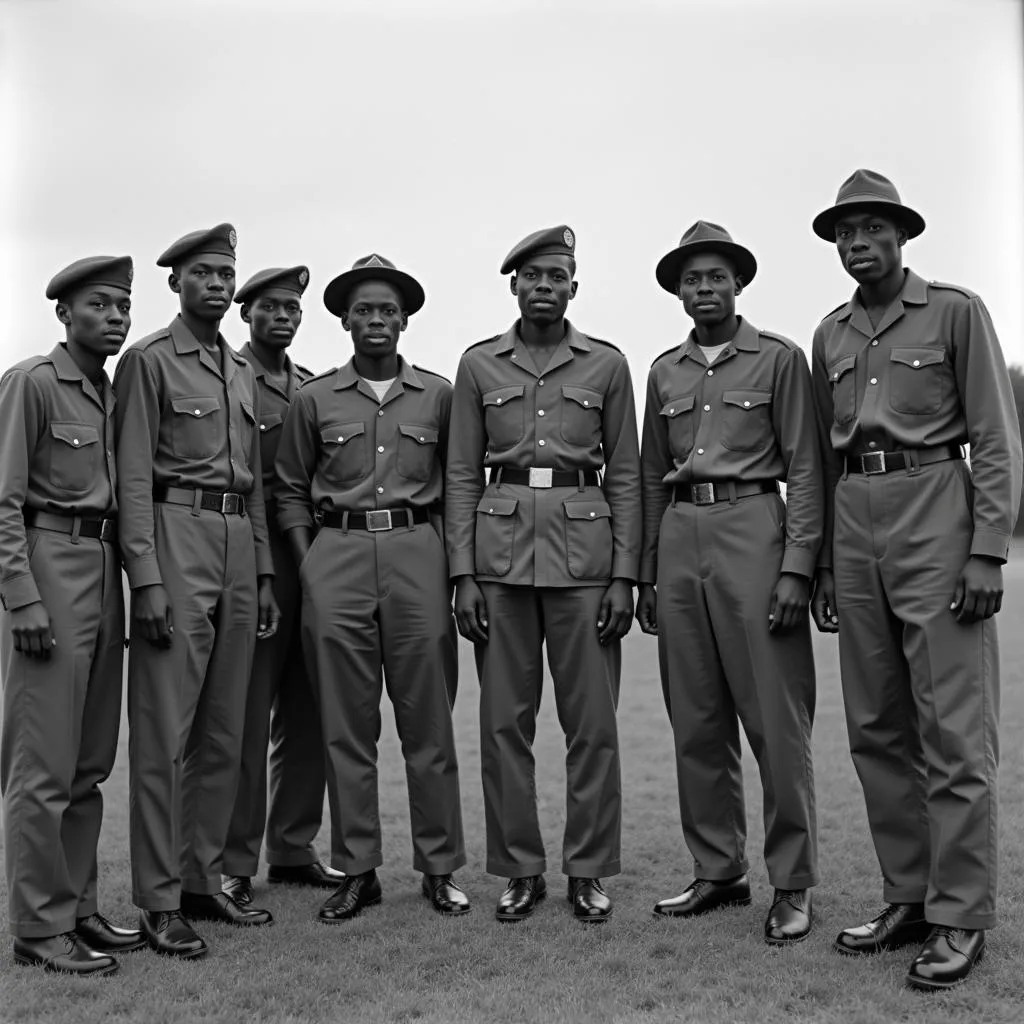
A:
(195, 405)
(250, 412)
(678, 405)
(840, 366)
(915, 358)
(421, 435)
(587, 510)
(75, 434)
(499, 396)
(587, 397)
(341, 433)
(497, 506)
(271, 420)
(747, 399)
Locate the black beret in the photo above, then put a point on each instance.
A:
(221, 240)
(558, 241)
(373, 268)
(112, 271)
(294, 279)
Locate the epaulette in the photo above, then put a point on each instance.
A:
(431, 373)
(966, 292)
(31, 363)
(601, 341)
(486, 341)
(299, 368)
(152, 339)
(319, 376)
(831, 311)
(667, 352)
(780, 338)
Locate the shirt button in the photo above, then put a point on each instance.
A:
(874, 344)
(75, 442)
(592, 514)
(671, 412)
(585, 402)
(707, 408)
(917, 362)
(542, 442)
(540, 383)
(711, 373)
(196, 411)
(263, 426)
(514, 356)
(872, 444)
(380, 447)
(380, 412)
(421, 439)
(380, 490)
(746, 405)
(700, 451)
(540, 412)
(340, 438)
(874, 380)
(498, 402)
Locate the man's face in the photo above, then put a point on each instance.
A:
(544, 285)
(869, 245)
(206, 284)
(97, 318)
(708, 286)
(375, 319)
(273, 317)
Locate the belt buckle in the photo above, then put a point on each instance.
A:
(541, 477)
(230, 504)
(379, 519)
(108, 529)
(703, 494)
(873, 463)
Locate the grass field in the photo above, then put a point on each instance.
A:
(400, 962)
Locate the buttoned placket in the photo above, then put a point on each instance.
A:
(106, 404)
(704, 410)
(396, 391)
(869, 371)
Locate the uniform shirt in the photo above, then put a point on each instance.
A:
(577, 413)
(274, 403)
(183, 422)
(343, 449)
(749, 417)
(932, 373)
(56, 455)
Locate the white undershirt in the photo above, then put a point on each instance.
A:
(712, 352)
(380, 387)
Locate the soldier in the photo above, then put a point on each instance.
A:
(728, 415)
(910, 574)
(194, 540)
(545, 552)
(62, 631)
(363, 457)
(280, 706)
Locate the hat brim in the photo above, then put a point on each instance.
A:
(337, 292)
(669, 266)
(824, 224)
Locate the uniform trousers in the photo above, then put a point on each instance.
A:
(921, 690)
(281, 713)
(186, 705)
(585, 676)
(59, 738)
(376, 609)
(717, 568)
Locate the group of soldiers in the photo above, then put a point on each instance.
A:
(293, 542)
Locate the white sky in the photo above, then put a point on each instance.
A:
(439, 133)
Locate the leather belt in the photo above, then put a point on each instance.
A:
(722, 490)
(225, 502)
(87, 526)
(375, 521)
(544, 477)
(872, 463)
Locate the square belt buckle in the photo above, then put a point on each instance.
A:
(703, 494)
(873, 462)
(379, 519)
(232, 505)
(540, 477)
(108, 529)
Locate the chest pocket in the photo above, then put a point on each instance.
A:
(270, 438)
(581, 415)
(678, 415)
(747, 420)
(75, 456)
(343, 453)
(844, 389)
(919, 381)
(195, 429)
(247, 427)
(504, 416)
(417, 450)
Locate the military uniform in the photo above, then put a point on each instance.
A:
(192, 518)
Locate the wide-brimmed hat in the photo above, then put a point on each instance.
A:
(704, 237)
(870, 190)
(374, 268)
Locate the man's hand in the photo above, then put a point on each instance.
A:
(616, 613)
(152, 613)
(30, 626)
(979, 590)
(823, 604)
(789, 602)
(470, 610)
(647, 609)
(270, 614)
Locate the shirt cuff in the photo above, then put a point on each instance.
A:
(648, 572)
(991, 543)
(462, 563)
(143, 571)
(625, 567)
(264, 560)
(289, 518)
(19, 591)
(798, 560)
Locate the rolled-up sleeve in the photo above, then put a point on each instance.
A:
(464, 475)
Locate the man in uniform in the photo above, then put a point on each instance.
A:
(62, 629)
(194, 541)
(729, 414)
(910, 574)
(545, 552)
(362, 457)
(280, 708)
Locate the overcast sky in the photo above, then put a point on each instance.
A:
(439, 132)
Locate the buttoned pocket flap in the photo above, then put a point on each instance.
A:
(500, 396)
(77, 435)
(421, 435)
(587, 397)
(250, 412)
(916, 358)
(497, 506)
(587, 510)
(195, 405)
(341, 433)
(271, 420)
(841, 366)
(677, 406)
(747, 399)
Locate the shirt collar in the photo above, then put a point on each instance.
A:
(507, 341)
(746, 339)
(347, 376)
(185, 341)
(248, 353)
(914, 292)
(67, 370)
